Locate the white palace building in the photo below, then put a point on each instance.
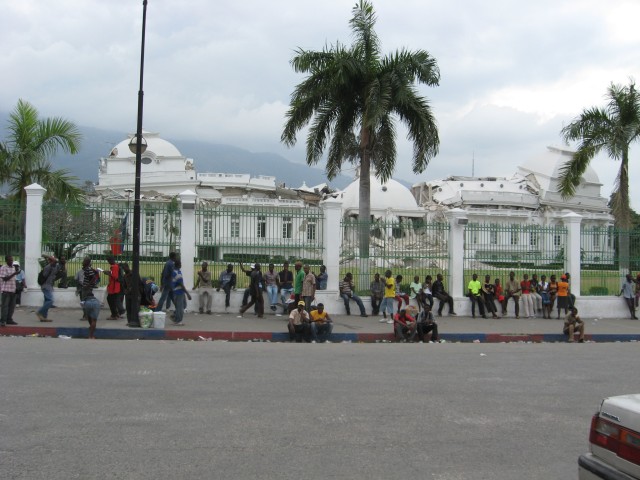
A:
(526, 198)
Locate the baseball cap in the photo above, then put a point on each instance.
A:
(301, 302)
(16, 263)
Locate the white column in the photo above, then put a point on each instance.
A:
(33, 231)
(332, 240)
(572, 250)
(188, 236)
(457, 221)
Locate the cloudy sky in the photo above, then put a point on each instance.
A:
(513, 72)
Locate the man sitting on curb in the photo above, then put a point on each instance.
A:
(299, 324)
(572, 324)
(321, 325)
(426, 324)
(404, 326)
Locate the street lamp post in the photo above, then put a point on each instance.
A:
(137, 145)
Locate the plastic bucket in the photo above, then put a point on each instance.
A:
(159, 319)
(146, 319)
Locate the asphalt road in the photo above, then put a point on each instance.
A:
(181, 410)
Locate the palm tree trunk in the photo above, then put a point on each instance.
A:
(622, 214)
(364, 208)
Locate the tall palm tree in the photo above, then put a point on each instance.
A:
(356, 93)
(612, 129)
(25, 153)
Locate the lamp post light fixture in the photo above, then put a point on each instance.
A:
(137, 147)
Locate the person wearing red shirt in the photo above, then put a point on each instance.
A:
(526, 300)
(113, 288)
(404, 326)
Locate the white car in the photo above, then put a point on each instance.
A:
(614, 441)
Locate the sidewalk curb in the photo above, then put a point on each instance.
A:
(231, 336)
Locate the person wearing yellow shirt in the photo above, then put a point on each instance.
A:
(321, 325)
(389, 297)
(475, 294)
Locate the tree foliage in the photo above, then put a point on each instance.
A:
(351, 99)
(611, 129)
(25, 154)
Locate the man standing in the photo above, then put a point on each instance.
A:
(441, 294)
(179, 293)
(113, 288)
(377, 292)
(321, 324)
(308, 287)
(271, 282)
(627, 292)
(8, 288)
(298, 281)
(49, 274)
(90, 304)
(322, 278)
(227, 282)
(205, 288)
(256, 287)
(285, 282)
(20, 283)
(389, 297)
(475, 288)
(165, 282)
(346, 292)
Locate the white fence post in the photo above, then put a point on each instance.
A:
(332, 240)
(457, 221)
(33, 231)
(188, 236)
(572, 222)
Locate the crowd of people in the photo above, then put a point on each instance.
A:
(293, 291)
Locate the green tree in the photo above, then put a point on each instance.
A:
(25, 154)
(170, 222)
(352, 96)
(612, 129)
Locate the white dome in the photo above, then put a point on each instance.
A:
(391, 195)
(155, 145)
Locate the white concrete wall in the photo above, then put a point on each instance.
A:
(589, 307)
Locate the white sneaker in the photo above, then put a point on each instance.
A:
(382, 320)
(389, 321)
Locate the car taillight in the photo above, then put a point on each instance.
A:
(619, 440)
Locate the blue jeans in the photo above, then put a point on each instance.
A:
(356, 299)
(272, 293)
(48, 302)
(167, 294)
(179, 301)
(387, 305)
(91, 308)
(321, 331)
(285, 293)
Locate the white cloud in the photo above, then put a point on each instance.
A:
(512, 72)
